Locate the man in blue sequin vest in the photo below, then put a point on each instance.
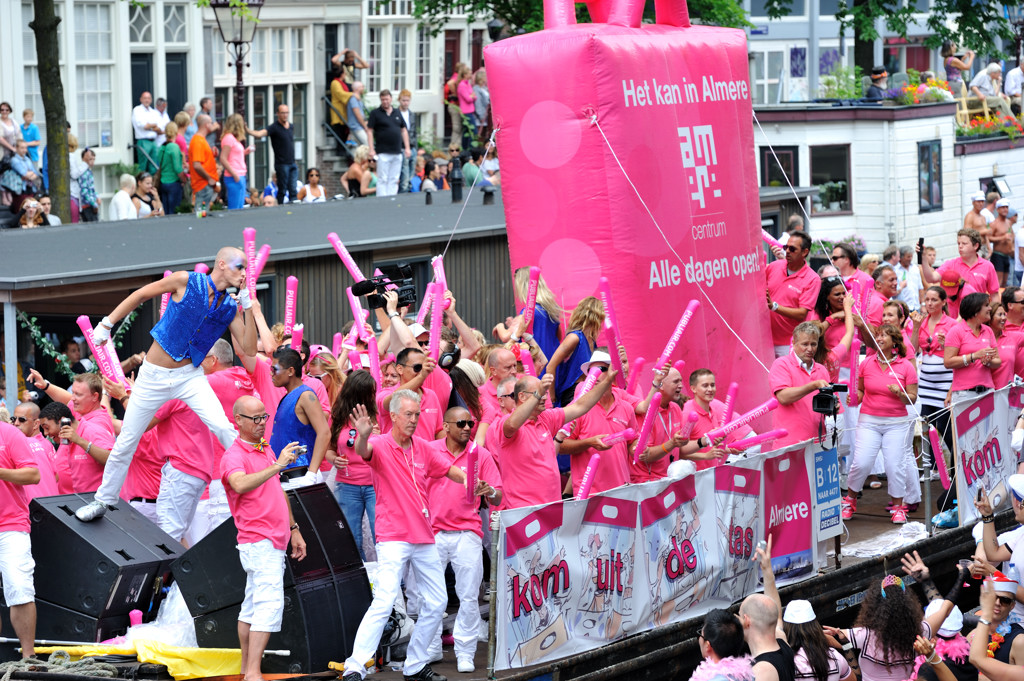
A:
(200, 310)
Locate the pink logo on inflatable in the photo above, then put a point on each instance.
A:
(588, 112)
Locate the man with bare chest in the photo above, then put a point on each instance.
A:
(976, 220)
(1001, 239)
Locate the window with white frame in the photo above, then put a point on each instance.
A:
(278, 63)
(767, 75)
(258, 53)
(374, 52)
(400, 57)
(140, 24)
(220, 56)
(94, 70)
(423, 59)
(389, 8)
(298, 49)
(175, 27)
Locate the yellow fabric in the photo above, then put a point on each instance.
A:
(339, 99)
(182, 663)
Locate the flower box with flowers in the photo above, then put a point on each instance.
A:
(994, 125)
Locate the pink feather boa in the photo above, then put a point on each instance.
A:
(735, 668)
(956, 649)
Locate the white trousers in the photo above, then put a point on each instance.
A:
(155, 387)
(392, 557)
(146, 509)
(389, 168)
(464, 551)
(890, 435)
(176, 503)
(210, 513)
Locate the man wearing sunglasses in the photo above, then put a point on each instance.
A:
(996, 606)
(458, 531)
(792, 291)
(199, 312)
(26, 419)
(1008, 546)
(413, 369)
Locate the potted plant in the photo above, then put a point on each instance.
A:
(857, 242)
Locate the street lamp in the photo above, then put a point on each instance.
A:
(237, 20)
(1015, 15)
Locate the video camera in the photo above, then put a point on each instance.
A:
(397, 278)
(826, 402)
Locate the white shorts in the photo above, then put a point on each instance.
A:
(263, 607)
(17, 568)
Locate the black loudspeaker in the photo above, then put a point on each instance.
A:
(54, 623)
(326, 594)
(101, 569)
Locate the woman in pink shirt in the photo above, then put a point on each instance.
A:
(929, 338)
(971, 350)
(838, 324)
(354, 490)
(886, 384)
(1006, 343)
(232, 157)
(467, 105)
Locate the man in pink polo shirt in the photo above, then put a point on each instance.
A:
(185, 441)
(613, 414)
(413, 368)
(249, 471)
(527, 460)
(792, 290)
(402, 463)
(458, 532)
(970, 273)
(794, 379)
(666, 436)
(710, 412)
(17, 469)
(90, 436)
(26, 419)
(486, 434)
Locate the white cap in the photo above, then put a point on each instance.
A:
(798, 612)
(599, 357)
(1004, 584)
(417, 330)
(953, 623)
(1016, 484)
(978, 196)
(1003, 203)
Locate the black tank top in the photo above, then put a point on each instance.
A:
(1003, 651)
(781, 659)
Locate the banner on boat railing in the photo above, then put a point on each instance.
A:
(982, 428)
(576, 575)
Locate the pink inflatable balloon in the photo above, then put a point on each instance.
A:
(730, 402)
(101, 355)
(687, 428)
(336, 344)
(297, 331)
(673, 340)
(249, 241)
(758, 439)
(645, 429)
(611, 330)
(291, 293)
(634, 374)
(373, 352)
(472, 471)
(346, 257)
(261, 259)
(436, 313)
(615, 438)
(940, 458)
(588, 477)
(758, 411)
(440, 278)
(202, 268)
(165, 298)
(854, 360)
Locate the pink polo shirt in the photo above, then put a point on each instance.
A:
(667, 422)
(865, 279)
(400, 482)
(449, 510)
(708, 421)
(229, 385)
(440, 382)
(143, 480)
(928, 341)
(798, 418)
(431, 413)
(42, 455)
(877, 377)
(261, 513)
(527, 460)
(357, 472)
(489, 399)
(86, 472)
(875, 307)
(1010, 348)
(14, 453)
(978, 278)
(796, 290)
(963, 339)
(184, 439)
(613, 467)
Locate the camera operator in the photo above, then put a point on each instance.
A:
(795, 379)
(886, 384)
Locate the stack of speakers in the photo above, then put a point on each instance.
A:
(89, 576)
(326, 594)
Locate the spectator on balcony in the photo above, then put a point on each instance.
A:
(987, 86)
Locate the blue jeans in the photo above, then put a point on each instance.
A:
(170, 195)
(1017, 277)
(287, 176)
(354, 500)
(235, 190)
(408, 169)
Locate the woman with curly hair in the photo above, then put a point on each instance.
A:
(354, 490)
(575, 350)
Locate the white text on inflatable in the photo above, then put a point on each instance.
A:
(704, 272)
(698, 150)
(654, 93)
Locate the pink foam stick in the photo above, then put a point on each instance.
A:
(249, 243)
(374, 354)
(165, 298)
(353, 334)
(611, 328)
(291, 294)
(531, 299)
(115, 363)
(770, 240)
(588, 477)
(757, 411)
(346, 257)
(261, 260)
(592, 378)
(336, 344)
(645, 429)
(436, 314)
(687, 429)
(297, 331)
(527, 359)
(202, 268)
(101, 356)
(854, 359)
(390, 286)
(472, 471)
(679, 365)
(940, 458)
(673, 340)
(357, 312)
(634, 373)
(428, 296)
(618, 437)
(758, 439)
(440, 278)
(730, 402)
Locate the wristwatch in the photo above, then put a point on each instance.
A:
(775, 306)
(539, 395)
(294, 527)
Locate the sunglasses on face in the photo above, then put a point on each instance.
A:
(838, 257)
(416, 368)
(351, 437)
(319, 377)
(256, 420)
(601, 369)
(18, 419)
(462, 423)
(793, 249)
(506, 395)
(1004, 600)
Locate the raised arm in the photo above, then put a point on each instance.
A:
(585, 403)
(523, 409)
(470, 346)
